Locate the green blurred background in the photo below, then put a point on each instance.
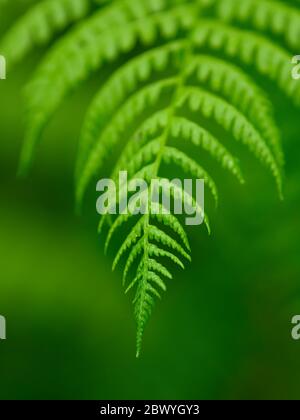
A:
(223, 329)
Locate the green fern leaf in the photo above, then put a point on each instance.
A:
(131, 239)
(180, 60)
(190, 131)
(124, 83)
(155, 251)
(183, 129)
(161, 237)
(238, 89)
(191, 167)
(159, 268)
(134, 253)
(249, 49)
(172, 222)
(113, 132)
(231, 119)
(39, 26)
(264, 16)
(66, 66)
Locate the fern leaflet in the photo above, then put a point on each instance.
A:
(187, 66)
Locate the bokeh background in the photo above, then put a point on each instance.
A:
(223, 329)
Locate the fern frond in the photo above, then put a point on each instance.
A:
(177, 192)
(270, 17)
(161, 237)
(131, 239)
(169, 220)
(160, 269)
(134, 253)
(66, 66)
(181, 60)
(163, 217)
(198, 136)
(145, 174)
(191, 167)
(39, 26)
(28, 4)
(240, 90)
(113, 132)
(125, 82)
(153, 266)
(185, 130)
(150, 128)
(144, 303)
(147, 290)
(145, 155)
(155, 251)
(143, 238)
(233, 121)
(249, 49)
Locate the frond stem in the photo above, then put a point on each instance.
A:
(163, 142)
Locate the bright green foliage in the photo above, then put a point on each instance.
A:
(40, 24)
(184, 64)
